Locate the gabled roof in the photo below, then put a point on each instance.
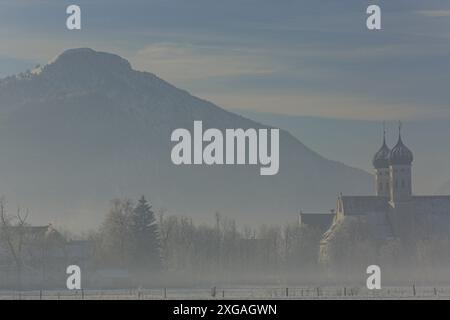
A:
(358, 205)
(434, 209)
(36, 233)
(432, 204)
(321, 221)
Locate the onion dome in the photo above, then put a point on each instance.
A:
(400, 154)
(381, 158)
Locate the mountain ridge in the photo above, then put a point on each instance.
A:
(86, 128)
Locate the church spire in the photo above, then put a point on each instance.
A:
(400, 161)
(380, 159)
(400, 154)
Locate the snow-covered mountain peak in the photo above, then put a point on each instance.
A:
(97, 61)
(85, 68)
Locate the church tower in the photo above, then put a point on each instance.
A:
(381, 164)
(400, 161)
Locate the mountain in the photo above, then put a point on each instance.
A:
(425, 137)
(86, 128)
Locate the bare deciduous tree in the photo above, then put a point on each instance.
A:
(12, 235)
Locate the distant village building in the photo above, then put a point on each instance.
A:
(37, 256)
(39, 250)
(393, 212)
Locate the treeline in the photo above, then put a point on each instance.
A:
(139, 246)
(134, 237)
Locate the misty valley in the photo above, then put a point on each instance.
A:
(144, 186)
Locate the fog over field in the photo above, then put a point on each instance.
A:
(237, 149)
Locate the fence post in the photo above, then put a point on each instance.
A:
(318, 293)
(165, 293)
(287, 292)
(435, 292)
(223, 293)
(40, 294)
(414, 289)
(345, 291)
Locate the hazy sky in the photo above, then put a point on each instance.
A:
(291, 57)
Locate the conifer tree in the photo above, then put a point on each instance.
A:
(147, 247)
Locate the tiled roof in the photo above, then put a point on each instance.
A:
(321, 221)
(357, 205)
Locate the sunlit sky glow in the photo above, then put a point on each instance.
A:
(313, 58)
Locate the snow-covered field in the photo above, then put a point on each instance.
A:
(243, 293)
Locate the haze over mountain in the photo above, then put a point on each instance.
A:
(86, 128)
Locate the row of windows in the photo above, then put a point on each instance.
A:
(403, 184)
(387, 173)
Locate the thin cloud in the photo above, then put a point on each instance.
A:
(181, 62)
(434, 13)
(355, 108)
